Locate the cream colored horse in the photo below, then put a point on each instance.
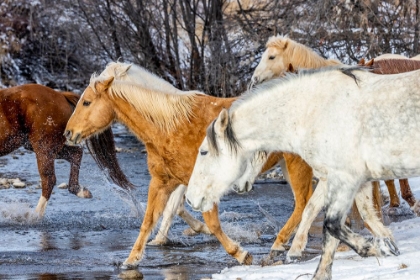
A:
(282, 51)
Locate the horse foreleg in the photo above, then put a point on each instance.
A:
(314, 206)
(157, 198)
(232, 248)
(196, 226)
(364, 202)
(300, 176)
(394, 200)
(73, 155)
(406, 193)
(46, 171)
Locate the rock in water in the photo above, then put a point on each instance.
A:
(18, 184)
(63, 186)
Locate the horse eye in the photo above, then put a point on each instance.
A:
(86, 103)
(272, 57)
(203, 153)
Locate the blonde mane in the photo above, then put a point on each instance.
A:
(299, 55)
(165, 110)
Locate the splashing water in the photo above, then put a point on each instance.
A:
(136, 208)
(18, 213)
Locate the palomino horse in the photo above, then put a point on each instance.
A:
(342, 131)
(164, 122)
(282, 51)
(171, 126)
(146, 79)
(35, 116)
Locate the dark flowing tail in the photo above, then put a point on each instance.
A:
(102, 149)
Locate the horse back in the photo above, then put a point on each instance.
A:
(394, 66)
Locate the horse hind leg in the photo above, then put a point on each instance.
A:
(74, 154)
(406, 192)
(364, 202)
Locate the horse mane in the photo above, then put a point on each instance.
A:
(394, 66)
(288, 77)
(71, 97)
(166, 110)
(230, 138)
(137, 74)
(300, 55)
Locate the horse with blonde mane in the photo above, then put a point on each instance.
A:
(282, 51)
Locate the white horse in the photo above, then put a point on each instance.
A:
(345, 131)
(141, 76)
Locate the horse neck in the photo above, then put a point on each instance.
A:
(263, 132)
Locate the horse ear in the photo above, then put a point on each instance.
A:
(361, 62)
(222, 121)
(125, 68)
(283, 43)
(103, 85)
(370, 62)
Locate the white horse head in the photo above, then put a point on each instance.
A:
(220, 151)
(283, 54)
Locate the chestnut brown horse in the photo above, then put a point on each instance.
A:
(35, 116)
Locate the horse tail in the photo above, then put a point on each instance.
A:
(102, 149)
(71, 97)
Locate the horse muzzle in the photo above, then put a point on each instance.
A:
(196, 207)
(72, 139)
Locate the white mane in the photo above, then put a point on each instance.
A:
(141, 76)
(167, 110)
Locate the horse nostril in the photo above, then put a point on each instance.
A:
(188, 202)
(67, 134)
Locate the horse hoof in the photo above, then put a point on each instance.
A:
(157, 242)
(248, 259)
(292, 259)
(189, 232)
(275, 253)
(393, 249)
(128, 266)
(84, 193)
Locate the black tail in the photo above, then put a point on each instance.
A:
(102, 149)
